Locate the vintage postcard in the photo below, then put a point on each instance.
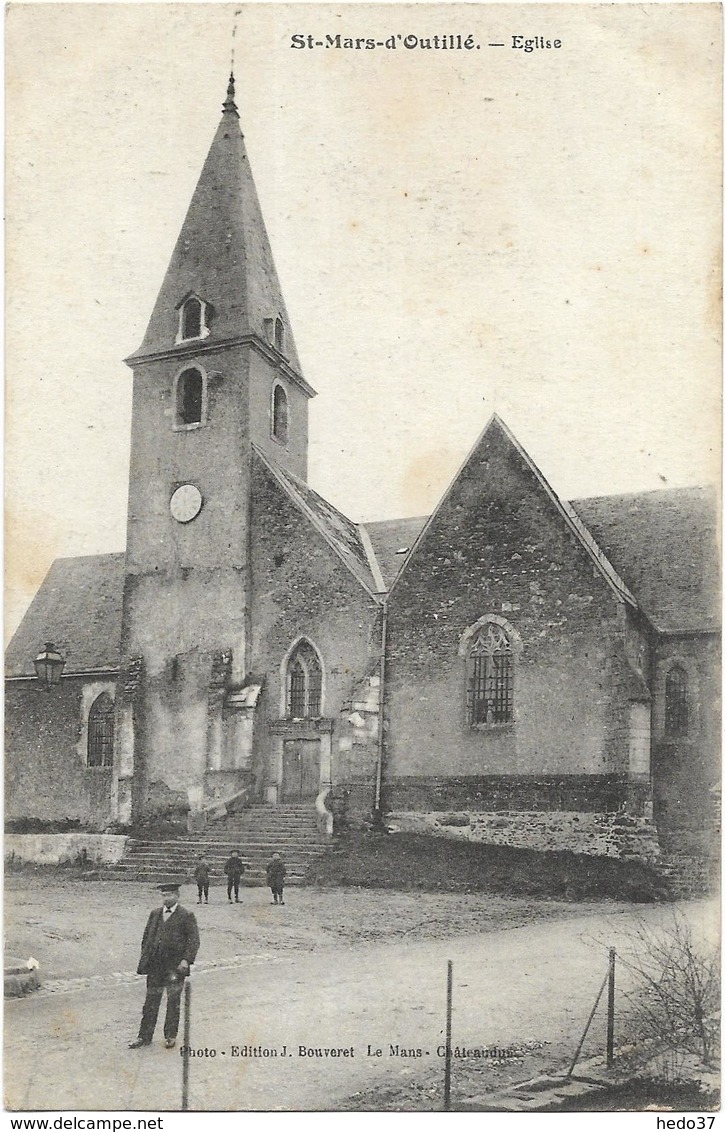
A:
(362, 591)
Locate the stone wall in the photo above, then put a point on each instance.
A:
(46, 768)
(686, 768)
(600, 793)
(356, 754)
(302, 589)
(596, 834)
(499, 548)
(64, 848)
(186, 590)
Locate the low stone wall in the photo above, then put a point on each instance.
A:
(572, 793)
(601, 835)
(64, 848)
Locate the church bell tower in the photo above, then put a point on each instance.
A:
(216, 373)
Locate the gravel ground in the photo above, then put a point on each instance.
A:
(333, 966)
(77, 928)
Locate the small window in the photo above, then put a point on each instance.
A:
(279, 334)
(189, 397)
(100, 731)
(304, 683)
(191, 319)
(490, 678)
(280, 415)
(676, 703)
(194, 315)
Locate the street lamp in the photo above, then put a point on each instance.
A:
(48, 665)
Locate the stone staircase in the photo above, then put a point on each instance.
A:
(257, 832)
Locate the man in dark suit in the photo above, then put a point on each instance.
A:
(168, 948)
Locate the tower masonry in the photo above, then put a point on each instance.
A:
(216, 373)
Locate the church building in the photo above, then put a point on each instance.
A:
(514, 668)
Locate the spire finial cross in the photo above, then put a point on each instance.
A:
(230, 106)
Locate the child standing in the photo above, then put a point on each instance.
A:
(276, 873)
(201, 876)
(234, 868)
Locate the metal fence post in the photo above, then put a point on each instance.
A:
(185, 1051)
(449, 1016)
(590, 1019)
(610, 1009)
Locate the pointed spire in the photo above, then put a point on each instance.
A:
(230, 106)
(223, 255)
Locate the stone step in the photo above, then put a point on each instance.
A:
(258, 880)
(224, 849)
(260, 834)
(220, 848)
(216, 864)
(256, 833)
(261, 854)
(231, 831)
(215, 855)
(265, 836)
(293, 868)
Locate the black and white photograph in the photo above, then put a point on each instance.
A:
(362, 561)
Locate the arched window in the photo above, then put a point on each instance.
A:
(490, 677)
(191, 318)
(100, 731)
(304, 683)
(279, 334)
(280, 415)
(189, 397)
(676, 703)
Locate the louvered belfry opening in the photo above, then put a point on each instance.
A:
(189, 397)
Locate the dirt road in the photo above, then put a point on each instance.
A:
(534, 983)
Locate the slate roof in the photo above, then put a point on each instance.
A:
(78, 608)
(339, 531)
(223, 256)
(391, 541)
(664, 544)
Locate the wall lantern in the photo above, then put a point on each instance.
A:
(49, 664)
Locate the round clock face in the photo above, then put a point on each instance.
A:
(185, 503)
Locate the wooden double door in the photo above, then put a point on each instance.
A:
(300, 770)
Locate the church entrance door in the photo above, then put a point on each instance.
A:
(300, 770)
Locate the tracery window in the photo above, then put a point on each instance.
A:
(100, 731)
(676, 703)
(490, 677)
(304, 683)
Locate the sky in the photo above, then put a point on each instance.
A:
(456, 232)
